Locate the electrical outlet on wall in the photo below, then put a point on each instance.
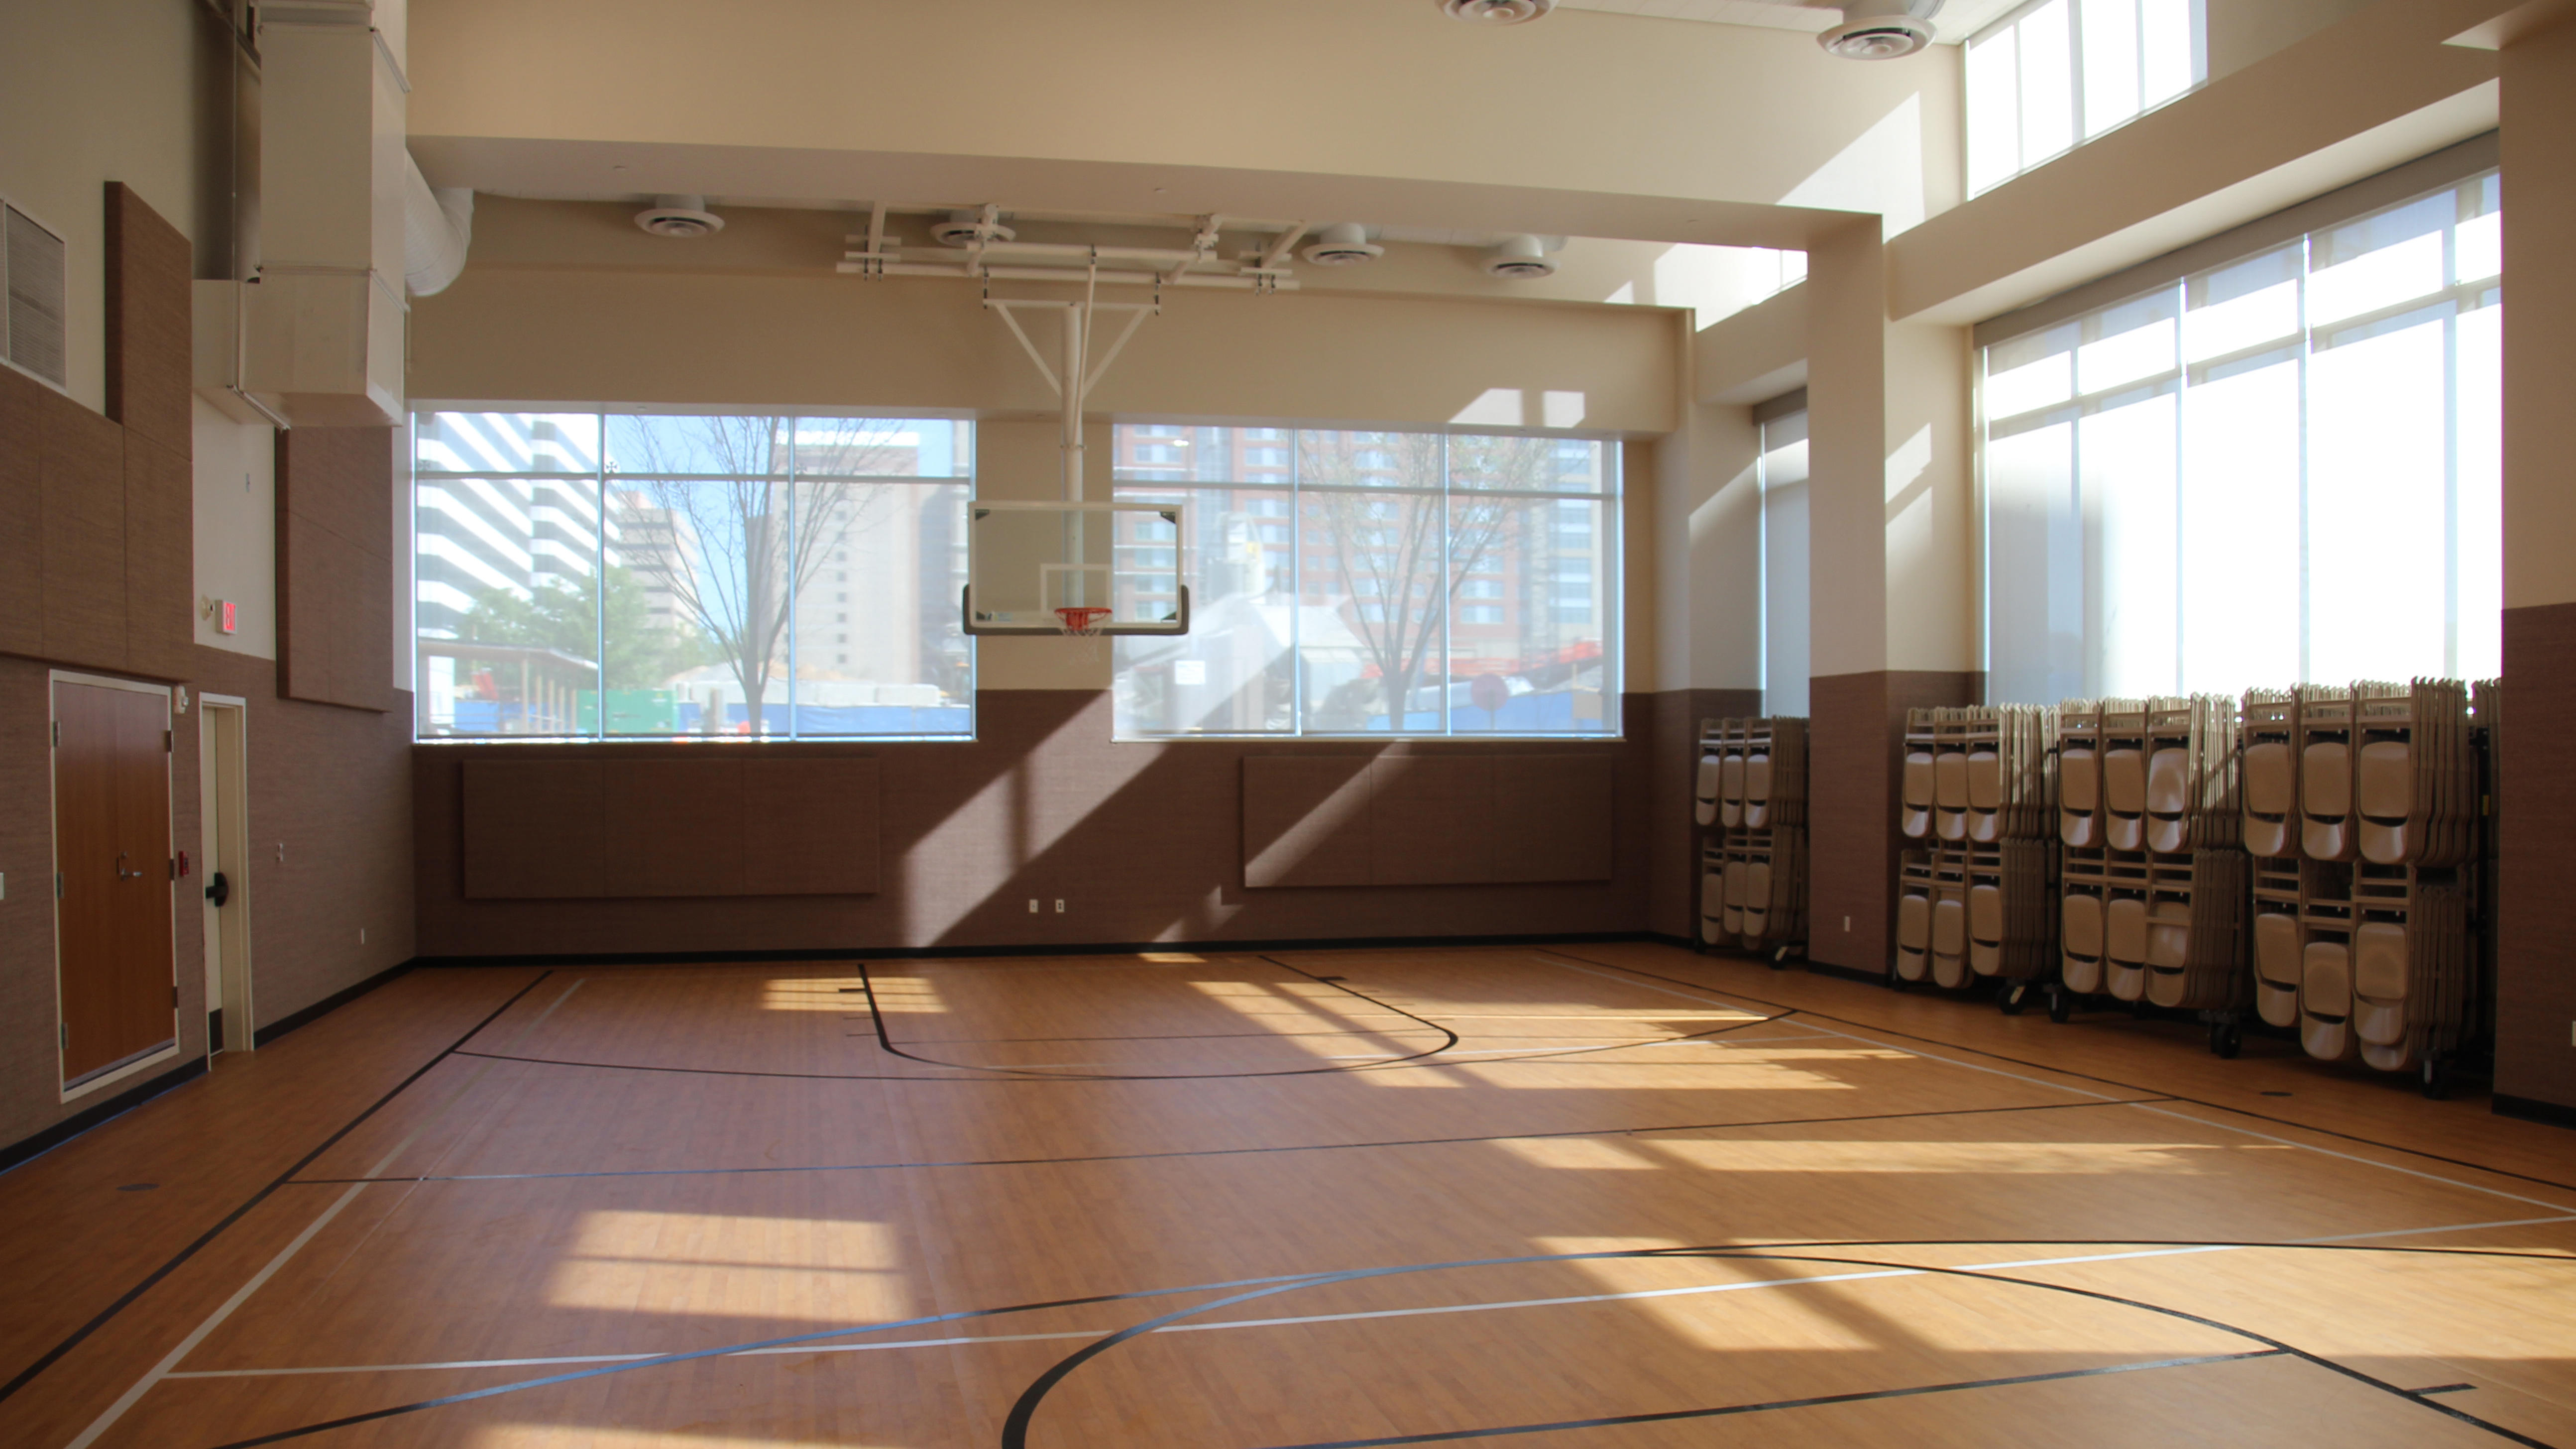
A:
(1033, 906)
(1059, 908)
(362, 935)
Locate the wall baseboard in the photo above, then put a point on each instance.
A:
(333, 1002)
(2531, 1109)
(1070, 948)
(40, 1143)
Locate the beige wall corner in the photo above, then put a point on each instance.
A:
(1931, 520)
(1755, 355)
(1641, 566)
(236, 549)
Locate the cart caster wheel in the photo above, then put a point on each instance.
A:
(2060, 1006)
(1780, 959)
(2012, 998)
(2437, 1079)
(2226, 1039)
(1895, 982)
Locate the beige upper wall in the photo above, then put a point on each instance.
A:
(516, 328)
(770, 91)
(92, 93)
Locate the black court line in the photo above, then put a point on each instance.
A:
(867, 984)
(2064, 1072)
(1015, 1428)
(1230, 1151)
(1024, 1075)
(2443, 1389)
(283, 1179)
(1174, 1036)
(1818, 1401)
(1285, 1281)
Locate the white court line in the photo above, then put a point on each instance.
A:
(214, 1320)
(1424, 1312)
(2134, 1106)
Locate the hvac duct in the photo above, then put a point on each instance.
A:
(438, 225)
(321, 341)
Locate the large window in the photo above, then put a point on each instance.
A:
(1374, 583)
(1783, 477)
(2285, 468)
(598, 575)
(2057, 73)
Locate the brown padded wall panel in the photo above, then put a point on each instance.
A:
(1431, 819)
(1306, 820)
(535, 829)
(675, 827)
(2536, 859)
(82, 468)
(810, 827)
(1551, 817)
(160, 560)
(150, 303)
(362, 637)
(22, 517)
(334, 576)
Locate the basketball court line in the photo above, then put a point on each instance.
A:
(2218, 1126)
(81, 1334)
(1670, 1416)
(1750, 1252)
(1569, 1133)
(115, 1411)
(167, 1369)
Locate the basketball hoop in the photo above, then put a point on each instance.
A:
(1081, 622)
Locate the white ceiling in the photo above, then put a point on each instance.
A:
(1958, 20)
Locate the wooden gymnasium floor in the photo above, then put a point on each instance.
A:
(1592, 1197)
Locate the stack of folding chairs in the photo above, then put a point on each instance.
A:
(2368, 807)
(2155, 885)
(1979, 898)
(1752, 792)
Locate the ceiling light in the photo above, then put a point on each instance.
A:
(965, 229)
(679, 216)
(1496, 12)
(1519, 259)
(1881, 29)
(1342, 244)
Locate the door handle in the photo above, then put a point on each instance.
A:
(219, 890)
(121, 872)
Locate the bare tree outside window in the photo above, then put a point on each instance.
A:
(1396, 543)
(744, 512)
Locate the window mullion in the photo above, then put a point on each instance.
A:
(1440, 588)
(599, 575)
(1296, 582)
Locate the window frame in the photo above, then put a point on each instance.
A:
(2025, 163)
(2177, 278)
(598, 478)
(1609, 550)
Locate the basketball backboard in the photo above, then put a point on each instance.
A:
(1025, 561)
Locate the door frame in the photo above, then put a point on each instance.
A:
(54, 680)
(224, 799)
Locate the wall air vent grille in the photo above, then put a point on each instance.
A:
(31, 267)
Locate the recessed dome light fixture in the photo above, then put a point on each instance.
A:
(1881, 29)
(1496, 12)
(1343, 244)
(1519, 259)
(966, 228)
(679, 216)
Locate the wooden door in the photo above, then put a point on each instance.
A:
(112, 847)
